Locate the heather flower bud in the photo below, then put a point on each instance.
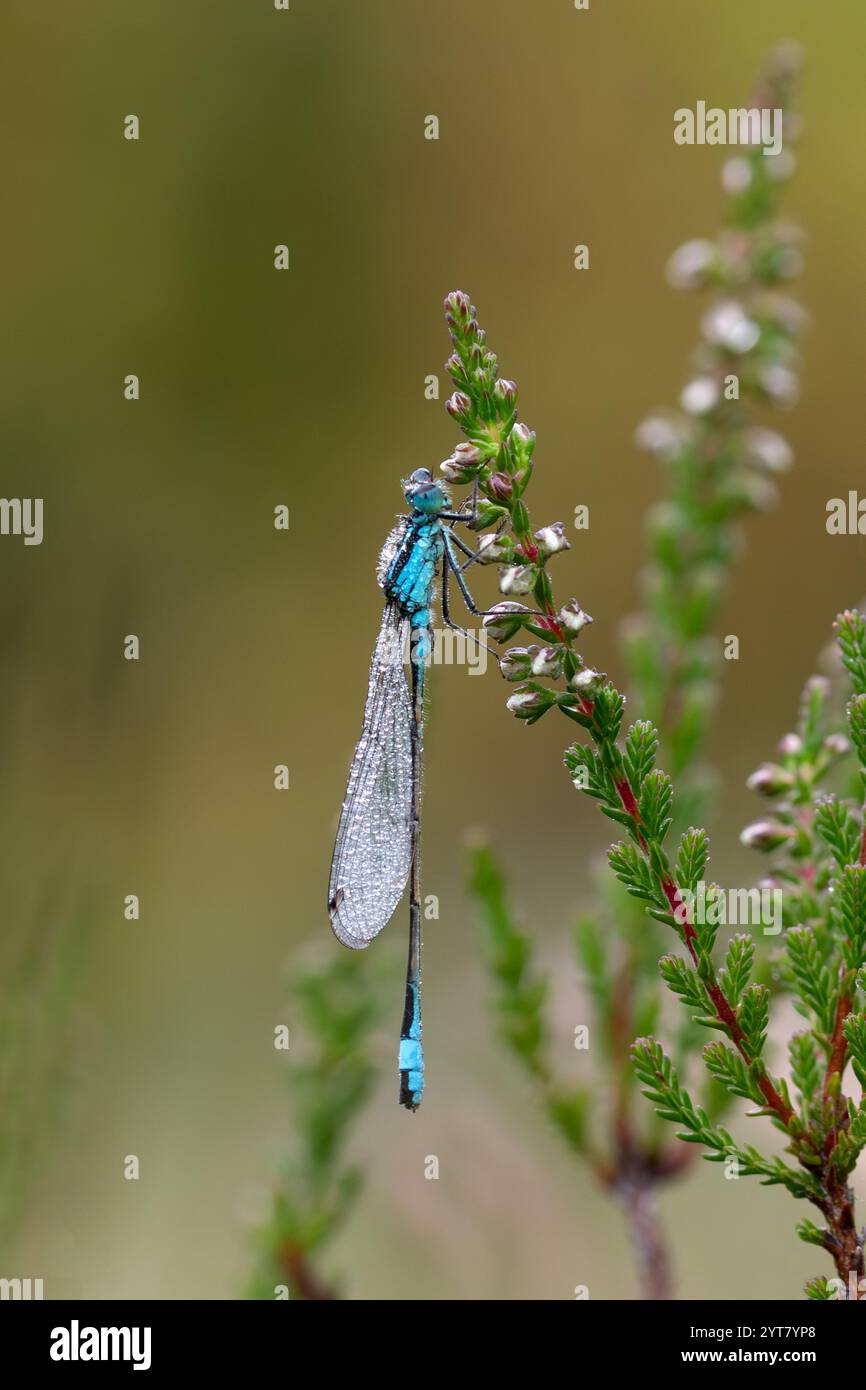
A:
(551, 539)
(504, 619)
(767, 885)
(791, 746)
(516, 663)
(572, 617)
(455, 471)
(700, 395)
(767, 450)
(517, 579)
(691, 265)
(766, 835)
(726, 325)
(459, 406)
(529, 704)
(780, 384)
(788, 262)
(818, 686)
(666, 524)
(770, 780)
(837, 745)
(547, 661)
(493, 549)
(587, 682)
(505, 392)
(786, 313)
(736, 174)
(522, 440)
(751, 490)
(662, 435)
(500, 486)
(469, 455)
(457, 303)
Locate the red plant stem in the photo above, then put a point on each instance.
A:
(838, 1043)
(724, 1013)
(628, 799)
(300, 1272)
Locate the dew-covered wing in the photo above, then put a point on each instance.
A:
(373, 850)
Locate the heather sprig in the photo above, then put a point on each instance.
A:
(330, 1077)
(815, 840)
(719, 467)
(521, 1004)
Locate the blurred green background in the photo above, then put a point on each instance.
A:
(307, 388)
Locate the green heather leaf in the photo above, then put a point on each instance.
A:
(569, 1115)
(812, 975)
(810, 1233)
(641, 745)
(855, 1033)
(727, 1066)
(753, 1017)
(632, 869)
(805, 1069)
(654, 802)
(812, 710)
(592, 951)
(692, 858)
(850, 1142)
(839, 828)
(683, 980)
(819, 1289)
(519, 997)
(609, 705)
(851, 637)
(849, 914)
(737, 969)
(856, 714)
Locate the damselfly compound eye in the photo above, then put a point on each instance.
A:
(422, 475)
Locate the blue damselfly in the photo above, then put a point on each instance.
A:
(378, 840)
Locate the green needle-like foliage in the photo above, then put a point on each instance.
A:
(521, 999)
(818, 847)
(330, 1078)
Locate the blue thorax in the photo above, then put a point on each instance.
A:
(408, 579)
(410, 575)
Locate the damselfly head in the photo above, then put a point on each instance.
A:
(424, 493)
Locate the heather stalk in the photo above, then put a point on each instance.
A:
(330, 1077)
(815, 837)
(719, 463)
(719, 467)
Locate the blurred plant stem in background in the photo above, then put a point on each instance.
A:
(330, 1077)
(39, 969)
(719, 466)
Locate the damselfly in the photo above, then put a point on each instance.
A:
(379, 836)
